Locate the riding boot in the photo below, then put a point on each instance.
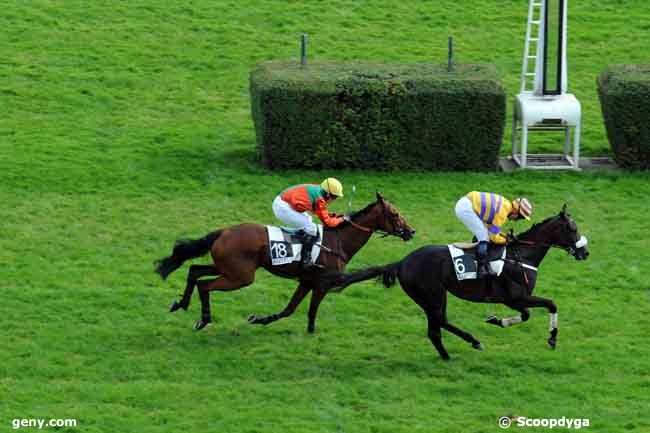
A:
(308, 242)
(482, 265)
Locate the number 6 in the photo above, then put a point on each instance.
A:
(460, 266)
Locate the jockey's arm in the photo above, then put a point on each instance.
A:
(320, 210)
(496, 236)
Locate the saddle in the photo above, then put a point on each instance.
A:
(285, 244)
(293, 234)
(495, 251)
(463, 256)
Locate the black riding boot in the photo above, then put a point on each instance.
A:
(482, 266)
(308, 242)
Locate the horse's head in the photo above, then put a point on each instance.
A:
(562, 231)
(383, 216)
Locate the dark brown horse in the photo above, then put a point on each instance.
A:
(427, 274)
(238, 251)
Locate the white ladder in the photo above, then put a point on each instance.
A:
(534, 19)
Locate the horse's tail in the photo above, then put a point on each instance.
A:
(336, 281)
(185, 249)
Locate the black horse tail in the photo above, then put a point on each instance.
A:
(185, 249)
(336, 282)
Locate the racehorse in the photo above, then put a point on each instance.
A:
(238, 251)
(428, 273)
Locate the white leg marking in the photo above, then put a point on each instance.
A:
(509, 321)
(553, 323)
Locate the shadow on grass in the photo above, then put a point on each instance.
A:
(293, 355)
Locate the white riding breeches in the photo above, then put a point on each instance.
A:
(466, 214)
(292, 218)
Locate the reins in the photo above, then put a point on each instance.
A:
(338, 254)
(334, 252)
(519, 262)
(383, 234)
(357, 226)
(360, 227)
(545, 244)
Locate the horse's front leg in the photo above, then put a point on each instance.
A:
(317, 296)
(510, 321)
(296, 299)
(536, 301)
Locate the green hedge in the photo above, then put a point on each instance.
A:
(624, 92)
(378, 116)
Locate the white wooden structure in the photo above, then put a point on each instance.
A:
(543, 103)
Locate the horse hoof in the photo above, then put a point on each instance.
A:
(493, 320)
(174, 306)
(252, 319)
(552, 342)
(478, 346)
(200, 324)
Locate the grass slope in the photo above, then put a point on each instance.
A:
(126, 126)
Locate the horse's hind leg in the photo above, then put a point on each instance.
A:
(454, 329)
(296, 299)
(206, 315)
(434, 322)
(433, 301)
(224, 284)
(194, 273)
(462, 334)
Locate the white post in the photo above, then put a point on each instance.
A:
(576, 145)
(565, 75)
(538, 88)
(567, 140)
(514, 129)
(524, 143)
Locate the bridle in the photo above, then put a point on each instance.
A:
(362, 228)
(518, 261)
(570, 249)
(395, 232)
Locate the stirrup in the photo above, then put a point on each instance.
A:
(485, 271)
(311, 265)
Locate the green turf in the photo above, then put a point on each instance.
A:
(127, 125)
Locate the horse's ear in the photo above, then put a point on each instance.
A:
(379, 196)
(564, 213)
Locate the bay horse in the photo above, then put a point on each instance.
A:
(238, 251)
(428, 273)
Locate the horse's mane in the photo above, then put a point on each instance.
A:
(536, 227)
(363, 211)
(354, 216)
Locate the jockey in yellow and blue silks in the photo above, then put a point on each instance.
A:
(484, 213)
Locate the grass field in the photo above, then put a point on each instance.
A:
(127, 125)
